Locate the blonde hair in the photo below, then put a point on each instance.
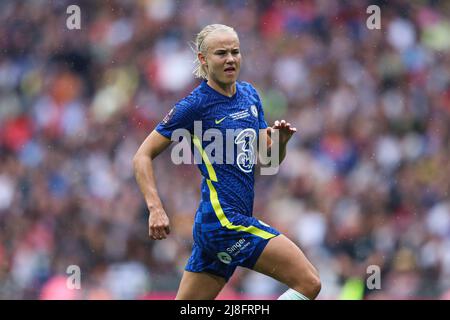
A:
(200, 46)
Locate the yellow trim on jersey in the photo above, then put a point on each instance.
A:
(214, 197)
(209, 167)
(224, 220)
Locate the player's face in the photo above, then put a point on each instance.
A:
(223, 58)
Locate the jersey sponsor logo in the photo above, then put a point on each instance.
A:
(241, 244)
(254, 110)
(224, 257)
(219, 121)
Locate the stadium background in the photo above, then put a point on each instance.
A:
(365, 182)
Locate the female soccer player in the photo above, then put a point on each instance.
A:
(226, 234)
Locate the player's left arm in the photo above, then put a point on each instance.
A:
(285, 132)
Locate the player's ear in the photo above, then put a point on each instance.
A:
(201, 58)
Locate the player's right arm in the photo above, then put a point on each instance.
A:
(152, 146)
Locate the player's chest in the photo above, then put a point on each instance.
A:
(223, 116)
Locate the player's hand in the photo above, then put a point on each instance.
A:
(158, 224)
(286, 131)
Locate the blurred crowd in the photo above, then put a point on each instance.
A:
(364, 185)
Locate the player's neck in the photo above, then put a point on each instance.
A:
(226, 90)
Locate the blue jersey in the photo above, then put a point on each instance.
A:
(230, 184)
(226, 235)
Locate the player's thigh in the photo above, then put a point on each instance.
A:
(284, 261)
(199, 286)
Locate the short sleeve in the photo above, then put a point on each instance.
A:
(181, 116)
(261, 120)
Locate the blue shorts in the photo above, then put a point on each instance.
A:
(220, 249)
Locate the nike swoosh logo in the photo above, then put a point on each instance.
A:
(219, 121)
